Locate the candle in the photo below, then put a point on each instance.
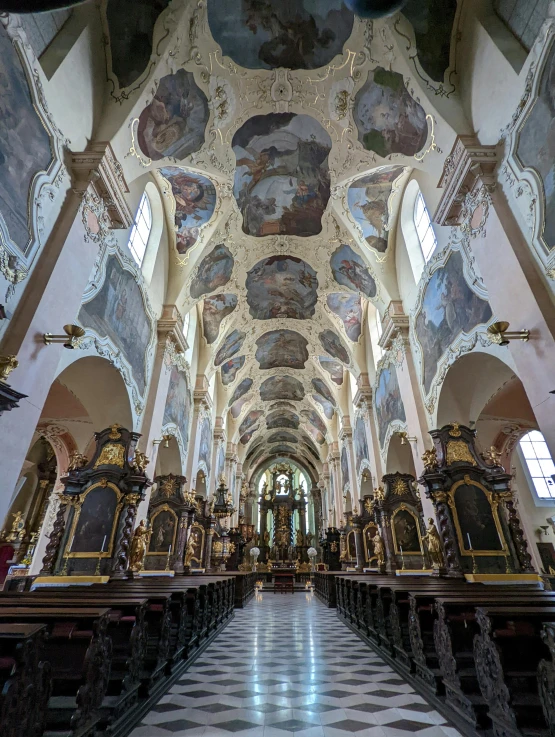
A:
(103, 544)
(71, 543)
(469, 541)
(401, 549)
(169, 550)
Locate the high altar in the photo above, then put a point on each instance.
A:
(282, 499)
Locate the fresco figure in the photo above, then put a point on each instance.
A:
(24, 144)
(230, 368)
(245, 439)
(282, 418)
(360, 443)
(213, 271)
(117, 311)
(250, 420)
(205, 448)
(231, 345)
(367, 198)
(349, 309)
(195, 202)
(282, 181)
(314, 418)
(282, 348)
(388, 119)
(175, 121)
(281, 387)
(282, 286)
(332, 344)
(333, 368)
(283, 437)
(262, 34)
(242, 388)
(388, 402)
(214, 310)
(178, 404)
(350, 271)
(449, 307)
(344, 467)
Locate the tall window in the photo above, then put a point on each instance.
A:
(141, 230)
(540, 464)
(186, 322)
(523, 17)
(423, 225)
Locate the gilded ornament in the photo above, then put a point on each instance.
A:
(114, 432)
(140, 462)
(369, 506)
(133, 499)
(379, 548)
(492, 456)
(103, 482)
(77, 461)
(379, 494)
(430, 460)
(455, 431)
(457, 450)
(138, 548)
(333, 547)
(190, 549)
(18, 528)
(218, 547)
(169, 487)
(7, 365)
(112, 454)
(433, 543)
(399, 487)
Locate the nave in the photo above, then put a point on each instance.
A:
(287, 665)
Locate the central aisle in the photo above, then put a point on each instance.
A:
(286, 665)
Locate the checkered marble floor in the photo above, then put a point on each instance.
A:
(286, 665)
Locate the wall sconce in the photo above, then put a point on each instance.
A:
(71, 339)
(499, 333)
(542, 528)
(164, 439)
(405, 437)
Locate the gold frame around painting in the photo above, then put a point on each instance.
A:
(78, 503)
(164, 508)
(504, 552)
(203, 540)
(368, 558)
(405, 507)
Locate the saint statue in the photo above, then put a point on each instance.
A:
(298, 538)
(266, 537)
(138, 547)
(309, 537)
(190, 549)
(379, 548)
(18, 528)
(433, 543)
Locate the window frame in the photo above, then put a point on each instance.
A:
(425, 232)
(136, 234)
(539, 500)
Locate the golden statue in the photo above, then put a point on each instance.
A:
(298, 538)
(369, 506)
(217, 547)
(379, 548)
(77, 460)
(492, 456)
(433, 543)
(18, 528)
(7, 365)
(190, 549)
(379, 494)
(430, 460)
(140, 462)
(139, 542)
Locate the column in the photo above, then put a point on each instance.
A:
(358, 542)
(346, 438)
(202, 407)
(363, 402)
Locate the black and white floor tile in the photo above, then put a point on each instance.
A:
(286, 665)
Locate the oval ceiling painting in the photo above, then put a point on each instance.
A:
(242, 388)
(237, 408)
(231, 345)
(282, 180)
(281, 387)
(214, 310)
(332, 344)
(350, 271)
(349, 309)
(282, 418)
(250, 420)
(247, 436)
(195, 202)
(230, 368)
(316, 434)
(174, 122)
(334, 369)
(265, 34)
(213, 271)
(314, 419)
(282, 286)
(368, 199)
(282, 348)
(282, 437)
(320, 387)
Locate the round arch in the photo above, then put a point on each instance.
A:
(399, 457)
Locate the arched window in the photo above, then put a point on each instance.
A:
(539, 463)
(423, 225)
(141, 230)
(186, 323)
(523, 17)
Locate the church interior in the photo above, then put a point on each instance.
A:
(277, 462)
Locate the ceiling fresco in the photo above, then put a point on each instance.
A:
(432, 21)
(332, 344)
(231, 345)
(230, 368)
(282, 348)
(333, 368)
(281, 387)
(348, 308)
(283, 437)
(240, 390)
(282, 286)
(250, 421)
(263, 34)
(350, 271)
(282, 418)
(315, 419)
(214, 271)
(282, 181)
(214, 310)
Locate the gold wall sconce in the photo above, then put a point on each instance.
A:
(405, 437)
(499, 333)
(542, 528)
(164, 439)
(71, 339)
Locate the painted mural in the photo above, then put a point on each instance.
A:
(282, 181)
(178, 404)
(205, 447)
(432, 21)
(231, 345)
(195, 202)
(449, 307)
(237, 408)
(282, 348)
(250, 421)
(131, 27)
(360, 442)
(333, 368)
(213, 271)
(281, 387)
(175, 121)
(406, 532)
(344, 467)
(332, 344)
(283, 449)
(316, 434)
(220, 463)
(214, 310)
(230, 368)
(242, 388)
(324, 397)
(367, 198)
(117, 312)
(245, 439)
(350, 271)
(163, 532)
(315, 420)
(282, 286)
(96, 520)
(282, 418)
(388, 402)
(536, 142)
(24, 143)
(348, 308)
(388, 119)
(283, 437)
(262, 34)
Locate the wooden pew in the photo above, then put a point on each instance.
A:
(25, 680)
